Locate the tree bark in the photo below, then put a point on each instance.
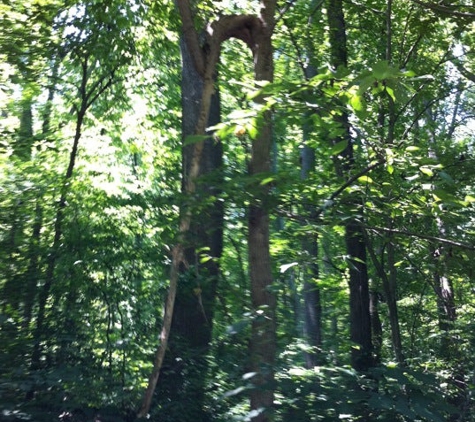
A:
(360, 318)
(311, 291)
(184, 381)
(389, 289)
(263, 336)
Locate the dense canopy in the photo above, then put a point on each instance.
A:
(237, 210)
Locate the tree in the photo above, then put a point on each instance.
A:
(360, 319)
(256, 34)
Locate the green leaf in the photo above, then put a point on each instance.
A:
(205, 258)
(234, 392)
(365, 179)
(408, 73)
(390, 92)
(444, 196)
(445, 176)
(426, 170)
(223, 130)
(267, 180)
(251, 129)
(422, 78)
(339, 147)
(241, 114)
(238, 327)
(357, 103)
(382, 70)
(365, 84)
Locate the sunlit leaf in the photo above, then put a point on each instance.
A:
(241, 114)
(235, 391)
(252, 129)
(390, 91)
(357, 103)
(339, 147)
(267, 180)
(426, 170)
(365, 179)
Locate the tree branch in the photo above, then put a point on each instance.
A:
(242, 27)
(422, 236)
(463, 70)
(444, 9)
(191, 35)
(349, 182)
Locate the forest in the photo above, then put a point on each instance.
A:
(237, 210)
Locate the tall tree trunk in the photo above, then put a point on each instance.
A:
(22, 151)
(184, 378)
(263, 335)
(257, 35)
(204, 60)
(389, 289)
(360, 318)
(390, 285)
(311, 291)
(390, 279)
(442, 284)
(22, 147)
(312, 308)
(33, 271)
(376, 326)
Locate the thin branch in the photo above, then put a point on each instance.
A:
(284, 10)
(463, 70)
(102, 88)
(351, 180)
(300, 60)
(422, 236)
(444, 9)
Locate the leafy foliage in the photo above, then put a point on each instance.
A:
(108, 72)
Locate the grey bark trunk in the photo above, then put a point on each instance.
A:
(185, 373)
